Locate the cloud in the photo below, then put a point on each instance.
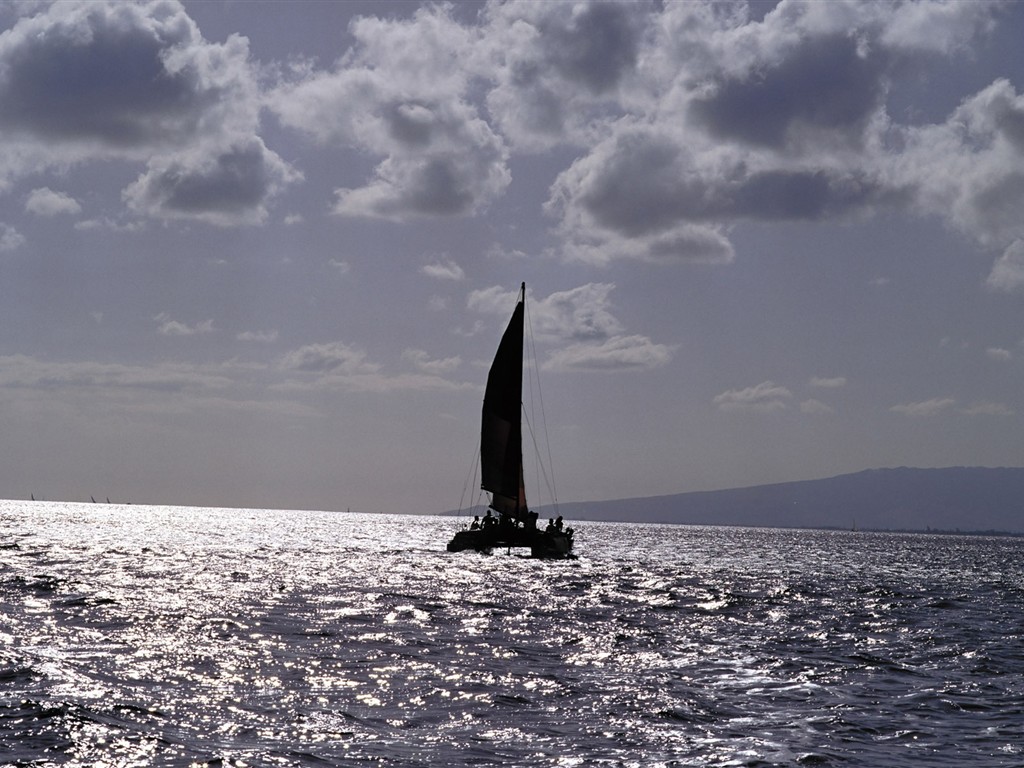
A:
(23, 372)
(824, 84)
(618, 353)
(999, 354)
(644, 194)
(1008, 272)
(677, 121)
(557, 66)
(579, 320)
(815, 407)
(342, 267)
(334, 357)
(227, 188)
(579, 314)
(762, 398)
(444, 269)
(136, 82)
(785, 119)
(45, 202)
(113, 75)
(169, 327)
(970, 170)
(925, 407)
(10, 238)
(440, 157)
(423, 362)
(261, 337)
(988, 409)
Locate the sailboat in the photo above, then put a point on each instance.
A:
(509, 522)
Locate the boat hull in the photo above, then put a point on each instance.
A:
(550, 545)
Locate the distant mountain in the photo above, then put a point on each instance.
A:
(955, 498)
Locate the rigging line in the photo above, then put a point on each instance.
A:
(543, 414)
(470, 477)
(540, 464)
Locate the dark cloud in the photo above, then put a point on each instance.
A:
(225, 188)
(807, 195)
(438, 182)
(101, 75)
(641, 184)
(410, 123)
(825, 83)
(439, 188)
(594, 46)
(137, 82)
(557, 66)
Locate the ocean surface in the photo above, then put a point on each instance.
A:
(138, 636)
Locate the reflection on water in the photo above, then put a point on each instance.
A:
(173, 636)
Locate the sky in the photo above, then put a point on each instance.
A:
(259, 254)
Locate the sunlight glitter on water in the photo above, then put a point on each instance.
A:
(166, 636)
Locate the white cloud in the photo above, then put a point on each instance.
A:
(580, 320)
(45, 202)
(169, 327)
(10, 238)
(815, 407)
(261, 337)
(423, 362)
(333, 357)
(444, 269)
(988, 409)
(762, 398)
(23, 372)
(970, 170)
(402, 92)
(618, 353)
(1008, 272)
(579, 314)
(925, 407)
(999, 354)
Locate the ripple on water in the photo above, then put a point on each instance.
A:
(139, 636)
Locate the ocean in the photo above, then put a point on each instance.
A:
(170, 636)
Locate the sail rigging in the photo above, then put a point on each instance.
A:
(501, 431)
(501, 459)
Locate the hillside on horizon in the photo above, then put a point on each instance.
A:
(902, 498)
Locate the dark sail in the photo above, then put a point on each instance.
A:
(501, 441)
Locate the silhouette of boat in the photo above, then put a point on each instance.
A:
(509, 522)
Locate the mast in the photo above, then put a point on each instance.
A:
(501, 435)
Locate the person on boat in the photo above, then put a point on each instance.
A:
(475, 525)
(550, 526)
(558, 523)
(489, 519)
